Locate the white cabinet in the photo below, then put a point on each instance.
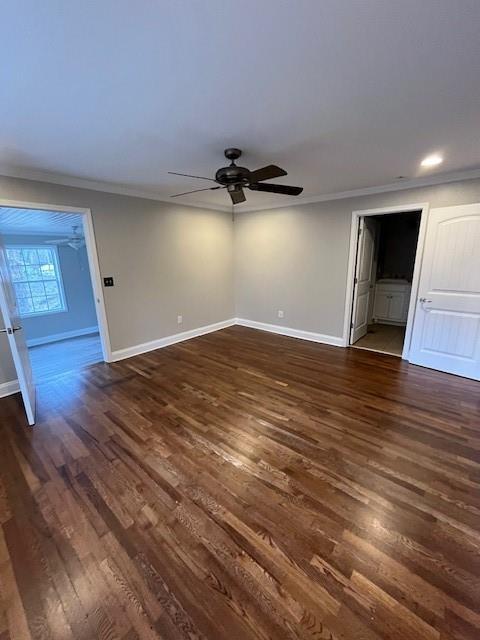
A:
(398, 307)
(391, 301)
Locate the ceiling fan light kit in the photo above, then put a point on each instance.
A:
(235, 179)
(76, 241)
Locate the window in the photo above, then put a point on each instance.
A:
(37, 279)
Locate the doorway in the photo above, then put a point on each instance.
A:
(47, 259)
(385, 262)
(443, 319)
(51, 300)
(386, 251)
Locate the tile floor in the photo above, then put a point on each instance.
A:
(383, 337)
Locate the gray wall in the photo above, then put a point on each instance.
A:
(166, 259)
(296, 258)
(170, 260)
(78, 290)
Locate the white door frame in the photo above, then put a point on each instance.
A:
(423, 207)
(93, 263)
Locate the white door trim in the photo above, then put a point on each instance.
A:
(423, 207)
(93, 263)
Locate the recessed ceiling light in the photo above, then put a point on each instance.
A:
(431, 161)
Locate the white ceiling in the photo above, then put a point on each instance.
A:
(344, 94)
(37, 222)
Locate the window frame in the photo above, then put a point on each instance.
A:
(58, 279)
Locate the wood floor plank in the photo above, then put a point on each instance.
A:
(247, 486)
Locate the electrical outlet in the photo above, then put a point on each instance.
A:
(280, 313)
(179, 319)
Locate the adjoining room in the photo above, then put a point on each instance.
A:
(48, 263)
(387, 248)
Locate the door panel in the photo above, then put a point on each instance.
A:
(396, 310)
(16, 338)
(381, 305)
(363, 277)
(446, 331)
(362, 310)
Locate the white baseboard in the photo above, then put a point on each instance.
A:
(392, 322)
(56, 337)
(292, 333)
(8, 388)
(136, 350)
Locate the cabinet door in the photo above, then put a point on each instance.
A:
(396, 309)
(380, 310)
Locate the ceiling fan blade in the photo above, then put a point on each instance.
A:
(195, 191)
(267, 173)
(237, 195)
(77, 244)
(277, 188)
(187, 175)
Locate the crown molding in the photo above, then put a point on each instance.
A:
(97, 185)
(426, 181)
(124, 190)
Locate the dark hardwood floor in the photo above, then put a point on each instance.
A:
(243, 486)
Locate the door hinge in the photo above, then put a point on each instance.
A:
(355, 280)
(351, 325)
(359, 231)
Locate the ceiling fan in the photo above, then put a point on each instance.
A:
(76, 240)
(234, 179)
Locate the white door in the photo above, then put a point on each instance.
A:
(363, 278)
(446, 330)
(16, 338)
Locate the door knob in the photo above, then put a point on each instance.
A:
(424, 300)
(10, 330)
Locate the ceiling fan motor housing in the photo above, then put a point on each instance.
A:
(232, 175)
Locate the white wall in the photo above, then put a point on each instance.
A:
(78, 290)
(166, 259)
(296, 258)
